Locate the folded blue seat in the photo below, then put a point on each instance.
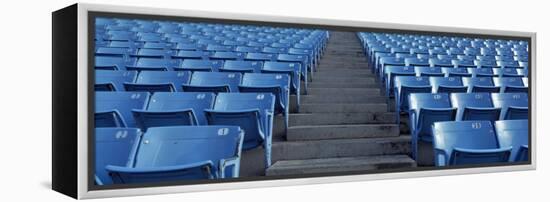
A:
(467, 143)
(183, 153)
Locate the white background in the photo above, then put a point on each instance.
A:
(25, 100)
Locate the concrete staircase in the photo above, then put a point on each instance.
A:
(343, 124)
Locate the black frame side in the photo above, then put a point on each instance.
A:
(64, 101)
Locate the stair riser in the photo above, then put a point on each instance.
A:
(341, 132)
(343, 91)
(341, 118)
(336, 148)
(342, 108)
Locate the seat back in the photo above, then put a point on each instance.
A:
(474, 106)
(480, 85)
(515, 134)
(172, 109)
(110, 62)
(513, 105)
(260, 57)
(110, 105)
(108, 80)
(214, 82)
(429, 108)
(466, 142)
(113, 146)
(200, 65)
(255, 126)
(242, 66)
(406, 85)
(159, 81)
(153, 64)
(447, 85)
(259, 83)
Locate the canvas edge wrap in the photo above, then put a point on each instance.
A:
(64, 101)
(82, 120)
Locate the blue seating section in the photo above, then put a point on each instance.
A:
(457, 92)
(173, 79)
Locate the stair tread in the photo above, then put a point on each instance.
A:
(363, 163)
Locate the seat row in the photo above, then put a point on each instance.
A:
(295, 64)
(128, 155)
(213, 82)
(252, 112)
(421, 50)
(406, 85)
(425, 109)
(480, 142)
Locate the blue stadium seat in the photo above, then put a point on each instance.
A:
(436, 62)
(253, 112)
(213, 47)
(510, 85)
(272, 50)
(515, 134)
(193, 54)
(114, 109)
(111, 62)
(302, 59)
(292, 69)
(153, 64)
(112, 51)
(108, 80)
(447, 85)
(153, 53)
(480, 85)
(467, 143)
(451, 71)
(248, 49)
(482, 72)
(158, 81)
(113, 146)
(416, 62)
(513, 105)
(507, 72)
(464, 63)
(227, 55)
(393, 71)
(277, 84)
(260, 57)
(474, 106)
(428, 71)
(405, 85)
(173, 109)
(215, 82)
(242, 66)
(183, 153)
(424, 110)
(187, 45)
(199, 65)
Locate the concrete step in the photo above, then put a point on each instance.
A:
(344, 91)
(316, 149)
(341, 118)
(349, 74)
(343, 85)
(343, 66)
(348, 164)
(342, 99)
(325, 132)
(343, 79)
(333, 108)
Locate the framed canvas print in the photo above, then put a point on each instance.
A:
(151, 101)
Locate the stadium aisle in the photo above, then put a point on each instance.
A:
(344, 123)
